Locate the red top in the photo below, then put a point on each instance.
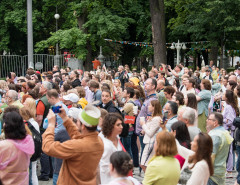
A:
(96, 63)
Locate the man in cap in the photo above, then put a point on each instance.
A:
(82, 153)
(70, 99)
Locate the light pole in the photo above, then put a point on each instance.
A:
(30, 34)
(101, 57)
(56, 61)
(178, 46)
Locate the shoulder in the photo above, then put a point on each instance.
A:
(156, 118)
(6, 145)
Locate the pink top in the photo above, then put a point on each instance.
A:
(14, 160)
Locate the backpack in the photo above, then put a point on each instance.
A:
(37, 138)
(236, 123)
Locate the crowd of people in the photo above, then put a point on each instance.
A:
(177, 126)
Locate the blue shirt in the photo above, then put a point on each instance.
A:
(98, 96)
(170, 122)
(202, 106)
(221, 143)
(59, 120)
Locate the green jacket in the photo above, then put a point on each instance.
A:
(47, 105)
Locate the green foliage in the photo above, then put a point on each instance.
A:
(212, 20)
(72, 38)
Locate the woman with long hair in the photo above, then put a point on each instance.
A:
(120, 166)
(229, 112)
(191, 101)
(203, 99)
(150, 129)
(199, 158)
(163, 168)
(117, 86)
(180, 131)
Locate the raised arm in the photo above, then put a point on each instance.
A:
(184, 152)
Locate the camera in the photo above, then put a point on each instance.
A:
(56, 109)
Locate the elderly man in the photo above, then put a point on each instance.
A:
(171, 108)
(82, 153)
(188, 116)
(43, 104)
(43, 107)
(12, 99)
(221, 143)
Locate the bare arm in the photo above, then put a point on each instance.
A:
(39, 119)
(198, 98)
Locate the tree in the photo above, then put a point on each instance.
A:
(207, 20)
(158, 31)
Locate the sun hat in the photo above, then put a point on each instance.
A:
(71, 97)
(90, 116)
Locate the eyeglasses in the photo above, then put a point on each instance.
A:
(211, 119)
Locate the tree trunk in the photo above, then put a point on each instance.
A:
(205, 57)
(214, 54)
(158, 31)
(81, 21)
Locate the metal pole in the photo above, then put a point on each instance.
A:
(56, 31)
(56, 59)
(178, 47)
(30, 34)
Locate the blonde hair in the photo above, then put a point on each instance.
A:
(26, 113)
(81, 92)
(118, 82)
(3, 85)
(31, 104)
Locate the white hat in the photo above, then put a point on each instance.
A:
(71, 97)
(90, 116)
(74, 112)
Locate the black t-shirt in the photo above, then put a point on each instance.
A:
(76, 83)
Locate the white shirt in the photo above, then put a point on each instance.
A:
(89, 94)
(115, 181)
(34, 124)
(109, 149)
(201, 167)
(150, 129)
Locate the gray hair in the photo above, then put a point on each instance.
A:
(13, 95)
(189, 114)
(47, 85)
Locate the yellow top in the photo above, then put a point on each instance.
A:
(83, 102)
(162, 171)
